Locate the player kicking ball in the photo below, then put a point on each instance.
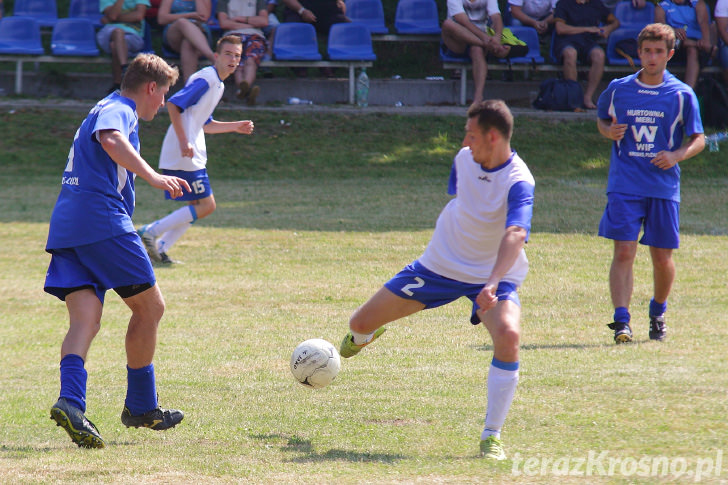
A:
(184, 153)
(476, 251)
(94, 248)
(648, 115)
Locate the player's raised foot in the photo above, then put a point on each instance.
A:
(492, 449)
(157, 419)
(150, 244)
(658, 329)
(82, 431)
(349, 349)
(622, 332)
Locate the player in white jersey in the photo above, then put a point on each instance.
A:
(184, 153)
(476, 251)
(94, 248)
(648, 115)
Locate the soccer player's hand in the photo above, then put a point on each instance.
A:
(245, 127)
(187, 150)
(174, 185)
(486, 299)
(616, 130)
(665, 159)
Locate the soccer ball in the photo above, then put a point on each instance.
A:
(315, 363)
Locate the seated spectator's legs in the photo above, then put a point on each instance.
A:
(596, 71)
(692, 63)
(254, 49)
(569, 56)
(723, 53)
(457, 38)
(188, 39)
(120, 45)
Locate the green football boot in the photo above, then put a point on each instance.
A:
(349, 348)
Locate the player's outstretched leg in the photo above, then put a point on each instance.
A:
(349, 348)
(157, 419)
(82, 431)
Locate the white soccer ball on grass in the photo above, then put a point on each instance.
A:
(315, 363)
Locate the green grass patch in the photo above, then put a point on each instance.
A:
(312, 219)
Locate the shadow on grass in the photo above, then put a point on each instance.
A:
(489, 347)
(307, 454)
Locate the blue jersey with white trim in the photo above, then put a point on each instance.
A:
(657, 118)
(96, 201)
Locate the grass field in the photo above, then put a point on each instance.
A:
(314, 217)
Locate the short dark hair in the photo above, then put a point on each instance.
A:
(493, 113)
(228, 39)
(657, 32)
(148, 68)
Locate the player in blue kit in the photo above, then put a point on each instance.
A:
(94, 248)
(647, 114)
(184, 152)
(476, 251)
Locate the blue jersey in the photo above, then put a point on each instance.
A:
(96, 201)
(657, 119)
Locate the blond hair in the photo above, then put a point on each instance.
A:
(148, 68)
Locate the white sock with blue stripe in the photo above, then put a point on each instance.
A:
(502, 382)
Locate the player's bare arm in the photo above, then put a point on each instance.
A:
(175, 117)
(123, 153)
(611, 129)
(667, 159)
(244, 127)
(510, 247)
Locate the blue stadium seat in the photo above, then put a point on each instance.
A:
(631, 17)
(615, 59)
(296, 41)
(45, 12)
(350, 42)
(74, 37)
(416, 17)
(529, 35)
(88, 9)
(369, 13)
(213, 23)
(20, 35)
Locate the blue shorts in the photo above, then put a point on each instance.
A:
(415, 282)
(199, 183)
(625, 215)
(134, 43)
(116, 263)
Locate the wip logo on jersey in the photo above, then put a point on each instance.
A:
(646, 133)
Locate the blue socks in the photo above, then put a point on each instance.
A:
(621, 315)
(657, 309)
(141, 392)
(73, 381)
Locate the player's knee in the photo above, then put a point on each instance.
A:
(597, 56)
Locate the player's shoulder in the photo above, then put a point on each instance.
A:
(520, 171)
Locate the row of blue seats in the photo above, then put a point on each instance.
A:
(293, 41)
(411, 17)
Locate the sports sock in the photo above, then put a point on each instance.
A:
(361, 338)
(183, 215)
(621, 314)
(167, 240)
(657, 309)
(502, 382)
(73, 381)
(141, 391)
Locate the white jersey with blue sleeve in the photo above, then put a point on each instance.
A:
(197, 100)
(468, 233)
(657, 118)
(96, 201)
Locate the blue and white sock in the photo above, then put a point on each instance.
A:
(502, 382)
(167, 240)
(183, 215)
(73, 381)
(141, 391)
